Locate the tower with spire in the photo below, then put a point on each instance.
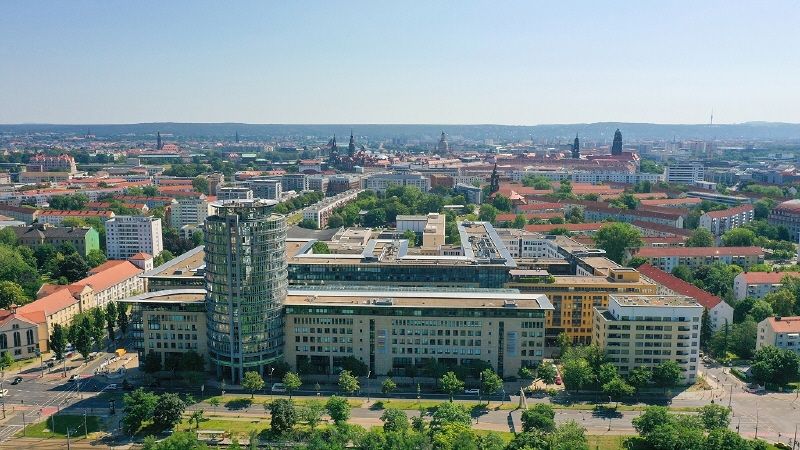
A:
(576, 148)
(494, 181)
(351, 147)
(158, 140)
(443, 147)
(616, 147)
(237, 137)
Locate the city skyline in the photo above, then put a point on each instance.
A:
(356, 62)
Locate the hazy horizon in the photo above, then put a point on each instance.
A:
(360, 62)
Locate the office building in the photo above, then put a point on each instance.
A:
(185, 271)
(685, 173)
(473, 194)
(245, 259)
(297, 182)
(129, 235)
(646, 330)
(234, 193)
(380, 182)
(266, 188)
(398, 330)
(781, 332)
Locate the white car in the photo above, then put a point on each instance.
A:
(473, 391)
(3, 392)
(278, 387)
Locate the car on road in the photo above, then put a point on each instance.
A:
(112, 387)
(278, 387)
(17, 380)
(472, 391)
(74, 377)
(3, 392)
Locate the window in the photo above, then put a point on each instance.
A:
(29, 337)
(3, 341)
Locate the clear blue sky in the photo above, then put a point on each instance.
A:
(524, 62)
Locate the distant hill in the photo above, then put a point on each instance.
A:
(594, 131)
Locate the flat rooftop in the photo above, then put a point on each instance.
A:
(655, 300)
(185, 265)
(174, 296)
(462, 299)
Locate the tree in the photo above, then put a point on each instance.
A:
(449, 413)
(739, 237)
(700, 238)
(759, 310)
(111, 316)
(95, 257)
(715, 416)
(168, 411)
(283, 415)
(519, 222)
(639, 377)
(292, 382)
(743, 338)
(388, 387)
(683, 272)
(667, 374)
(547, 372)
(616, 237)
(58, 341)
(72, 267)
(6, 361)
(98, 325)
(151, 363)
(782, 302)
(617, 388)
(723, 439)
(652, 417)
(348, 383)
(564, 342)
(502, 203)
(200, 184)
(491, 383)
(606, 373)
(176, 441)
(577, 374)
(83, 337)
(12, 293)
(450, 384)
(139, 407)
(122, 317)
(196, 417)
(569, 436)
(394, 420)
(253, 382)
(354, 366)
(541, 417)
(488, 213)
(706, 329)
(338, 409)
(774, 365)
(311, 413)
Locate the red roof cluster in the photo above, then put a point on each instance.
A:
(766, 277)
(671, 282)
(729, 212)
(785, 324)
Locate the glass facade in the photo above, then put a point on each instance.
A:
(246, 280)
(441, 275)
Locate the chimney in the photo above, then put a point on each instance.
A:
(13, 307)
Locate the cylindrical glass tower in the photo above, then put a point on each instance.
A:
(246, 279)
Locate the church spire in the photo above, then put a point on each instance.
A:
(576, 148)
(158, 140)
(351, 147)
(616, 147)
(494, 181)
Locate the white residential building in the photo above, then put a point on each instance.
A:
(189, 211)
(129, 235)
(380, 182)
(321, 211)
(781, 332)
(719, 222)
(686, 173)
(266, 188)
(758, 284)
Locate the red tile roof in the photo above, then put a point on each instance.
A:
(766, 277)
(141, 256)
(651, 252)
(6, 316)
(109, 275)
(707, 299)
(671, 201)
(58, 300)
(785, 324)
(568, 226)
(60, 213)
(729, 212)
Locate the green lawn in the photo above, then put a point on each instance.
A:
(429, 404)
(62, 422)
(240, 426)
(606, 441)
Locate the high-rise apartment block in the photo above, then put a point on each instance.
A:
(189, 211)
(129, 235)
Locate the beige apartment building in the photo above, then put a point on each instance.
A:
(646, 330)
(393, 330)
(781, 332)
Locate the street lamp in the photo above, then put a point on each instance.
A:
(480, 389)
(271, 369)
(369, 372)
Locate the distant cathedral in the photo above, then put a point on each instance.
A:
(616, 147)
(443, 147)
(576, 148)
(351, 147)
(158, 141)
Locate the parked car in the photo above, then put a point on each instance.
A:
(112, 387)
(3, 392)
(472, 391)
(74, 377)
(278, 387)
(17, 380)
